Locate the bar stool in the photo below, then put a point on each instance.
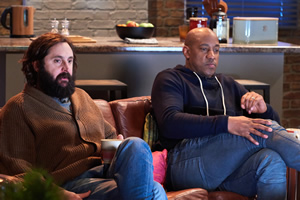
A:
(107, 89)
(251, 85)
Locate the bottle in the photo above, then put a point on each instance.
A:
(191, 12)
(218, 24)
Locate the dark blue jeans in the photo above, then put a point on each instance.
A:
(233, 163)
(129, 176)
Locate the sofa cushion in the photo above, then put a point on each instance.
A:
(130, 115)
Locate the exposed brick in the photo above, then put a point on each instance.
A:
(58, 5)
(292, 77)
(58, 14)
(294, 123)
(42, 15)
(286, 87)
(79, 5)
(38, 5)
(291, 95)
(84, 14)
(163, 13)
(5, 3)
(142, 15)
(139, 5)
(101, 24)
(287, 68)
(159, 22)
(155, 4)
(285, 123)
(292, 58)
(291, 113)
(123, 15)
(172, 22)
(295, 104)
(177, 14)
(285, 104)
(175, 4)
(102, 5)
(122, 5)
(296, 68)
(78, 25)
(295, 86)
(174, 32)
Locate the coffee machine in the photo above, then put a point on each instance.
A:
(21, 21)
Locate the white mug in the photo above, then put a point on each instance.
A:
(109, 148)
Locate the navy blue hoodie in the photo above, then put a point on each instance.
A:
(180, 109)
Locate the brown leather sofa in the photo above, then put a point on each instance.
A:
(128, 117)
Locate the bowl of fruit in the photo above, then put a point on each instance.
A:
(134, 30)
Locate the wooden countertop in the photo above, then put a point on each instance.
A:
(165, 44)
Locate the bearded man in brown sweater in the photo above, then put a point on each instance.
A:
(57, 127)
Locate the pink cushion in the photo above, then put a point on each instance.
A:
(160, 165)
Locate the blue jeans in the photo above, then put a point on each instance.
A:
(129, 176)
(216, 161)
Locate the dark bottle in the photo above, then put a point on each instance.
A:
(191, 12)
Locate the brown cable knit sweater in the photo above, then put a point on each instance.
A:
(35, 131)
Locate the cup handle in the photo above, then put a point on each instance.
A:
(4, 15)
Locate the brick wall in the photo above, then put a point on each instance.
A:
(90, 17)
(291, 79)
(87, 17)
(166, 15)
(291, 91)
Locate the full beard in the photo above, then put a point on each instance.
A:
(52, 87)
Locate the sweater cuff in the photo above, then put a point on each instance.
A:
(222, 122)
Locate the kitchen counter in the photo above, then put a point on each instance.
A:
(165, 44)
(137, 64)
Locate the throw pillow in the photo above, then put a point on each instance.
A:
(150, 134)
(160, 165)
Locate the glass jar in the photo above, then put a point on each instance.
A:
(65, 27)
(198, 22)
(54, 26)
(219, 24)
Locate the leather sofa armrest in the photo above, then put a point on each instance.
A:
(223, 195)
(188, 194)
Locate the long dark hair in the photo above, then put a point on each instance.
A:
(38, 50)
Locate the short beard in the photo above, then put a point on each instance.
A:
(52, 87)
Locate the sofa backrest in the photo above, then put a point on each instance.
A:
(104, 106)
(129, 115)
(126, 115)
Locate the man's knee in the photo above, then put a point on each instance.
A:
(135, 145)
(271, 168)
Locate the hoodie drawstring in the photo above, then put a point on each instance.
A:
(206, 102)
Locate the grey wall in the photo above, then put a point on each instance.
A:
(138, 70)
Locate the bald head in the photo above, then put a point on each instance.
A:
(197, 34)
(201, 50)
